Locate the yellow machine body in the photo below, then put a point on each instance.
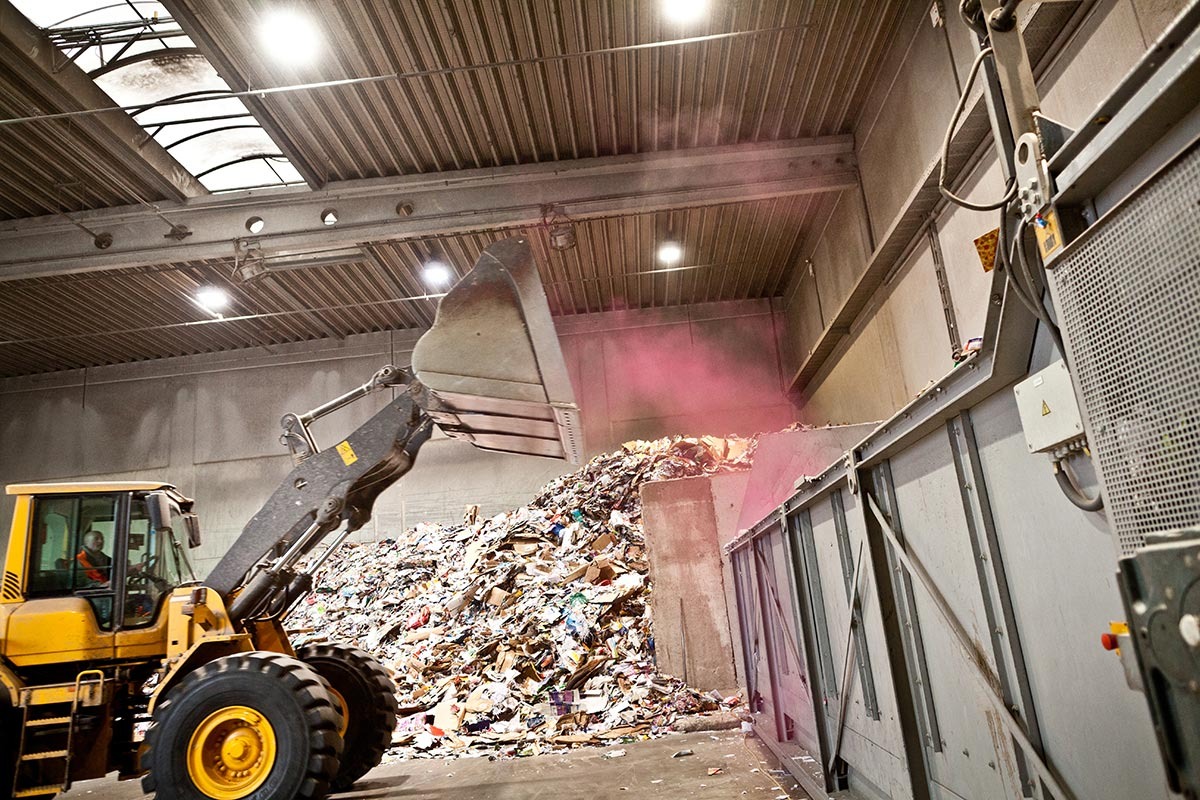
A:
(59, 658)
(98, 602)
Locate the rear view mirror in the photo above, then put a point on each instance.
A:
(158, 507)
(193, 529)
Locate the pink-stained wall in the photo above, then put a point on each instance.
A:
(210, 423)
(704, 369)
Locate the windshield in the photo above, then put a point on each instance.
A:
(157, 563)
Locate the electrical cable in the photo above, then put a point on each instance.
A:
(1030, 297)
(1004, 256)
(972, 15)
(217, 321)
(1071, 489)
(1011, 190)
(1032, 290)
(1030, 300)
(1018, 272)
(1031, 284)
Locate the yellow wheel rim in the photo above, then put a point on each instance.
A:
(231, 753)
(340, 703)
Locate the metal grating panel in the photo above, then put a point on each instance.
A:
(1129, 299)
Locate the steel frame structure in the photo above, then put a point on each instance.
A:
(422, 205)
(1100, 165)
(29, 53)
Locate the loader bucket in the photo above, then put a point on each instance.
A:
(492, 365)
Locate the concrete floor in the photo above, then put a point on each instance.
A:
(646, 771)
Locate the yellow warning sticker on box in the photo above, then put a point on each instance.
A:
(347, 453)
(1045, 409)
(1049, 238)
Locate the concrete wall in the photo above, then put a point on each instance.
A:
(687, 523)
(691, 619)
(899, 343)
(210, 423)
(708, 368)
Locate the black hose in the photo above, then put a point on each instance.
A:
(1004, 257)
(1073, 493)
(972, 15)
(1005, 17)
(1034, 293)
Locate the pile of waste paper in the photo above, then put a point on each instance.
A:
(529, 631)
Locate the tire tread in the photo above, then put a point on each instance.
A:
(381, 722)
(324, 743)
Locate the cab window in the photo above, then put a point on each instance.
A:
(71, 549)
(156, 566)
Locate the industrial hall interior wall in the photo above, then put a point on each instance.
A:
(854, 338)
(864, 336)
(210, 423)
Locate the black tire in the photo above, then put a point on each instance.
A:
(289, 695)
(370, 698)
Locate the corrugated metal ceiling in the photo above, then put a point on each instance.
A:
(803, 81)
(808, 79)
(50, 167)
(734, 252)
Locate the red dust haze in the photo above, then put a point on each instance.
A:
(715, 376)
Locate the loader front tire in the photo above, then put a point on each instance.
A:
(252, 726)
(367, 697)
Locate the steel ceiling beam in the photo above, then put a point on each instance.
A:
(198, 33)
(414, 206)
(29, 54)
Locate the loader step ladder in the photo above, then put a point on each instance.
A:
(60, 727)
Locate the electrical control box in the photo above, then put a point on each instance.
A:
(1049, 410)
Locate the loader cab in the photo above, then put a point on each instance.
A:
(94, 564)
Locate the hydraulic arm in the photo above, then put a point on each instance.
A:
(237, 711)
(489, 371)
(328, 490)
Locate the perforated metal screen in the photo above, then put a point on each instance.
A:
(1128, 296)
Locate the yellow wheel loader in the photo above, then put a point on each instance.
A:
(115, 657)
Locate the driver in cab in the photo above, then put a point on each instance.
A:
(97, 565)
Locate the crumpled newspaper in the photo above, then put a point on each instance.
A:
(529, 631)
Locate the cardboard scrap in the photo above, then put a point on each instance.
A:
(528, 631)
(603, 542)
(498, 597)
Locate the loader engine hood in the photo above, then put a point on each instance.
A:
(492, 361)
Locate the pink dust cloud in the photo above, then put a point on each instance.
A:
(704, 377)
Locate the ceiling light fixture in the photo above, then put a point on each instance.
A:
(684, 10)
(559, 227)
(212, 298)
(669, 253)
(289, 37)
(562, 237)
(436, 273)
